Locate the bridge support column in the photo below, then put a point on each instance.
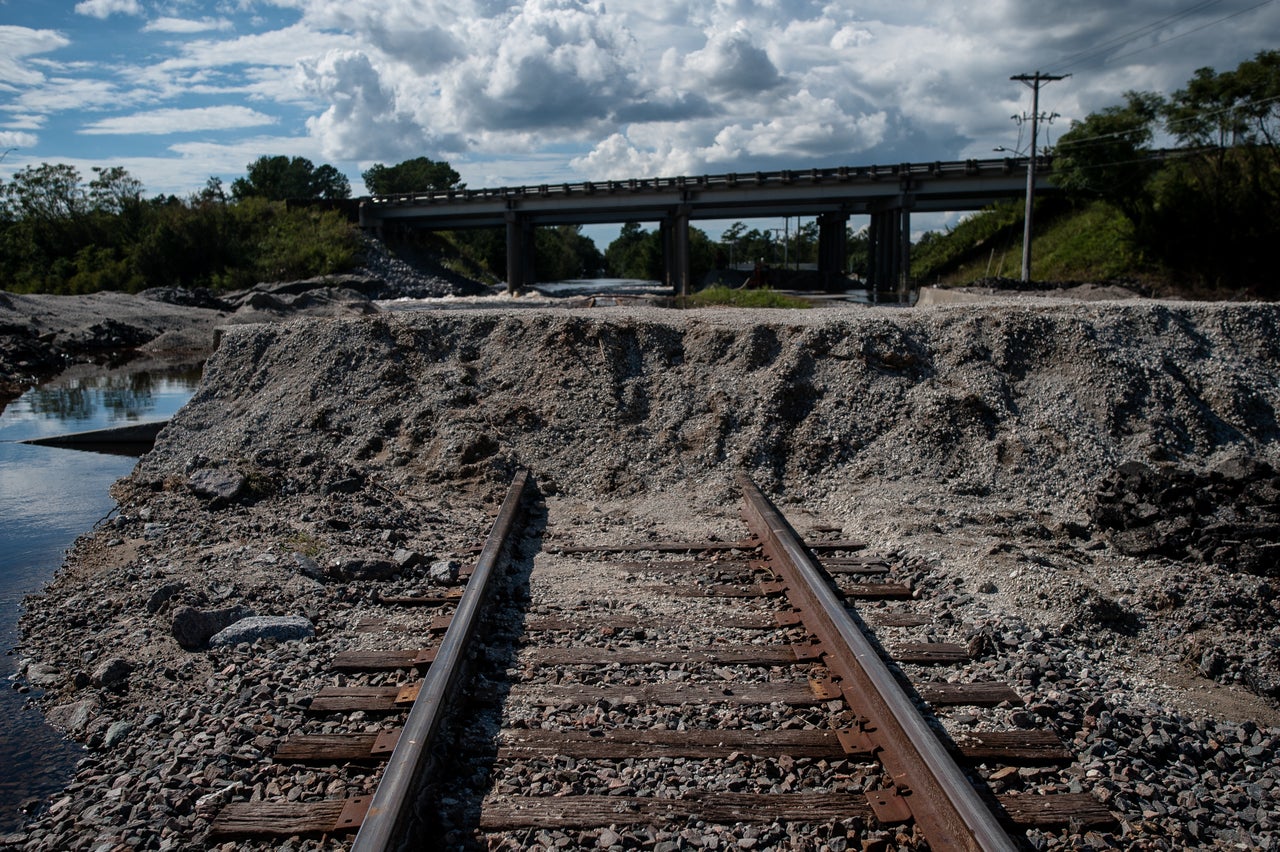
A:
(674, 231)
(833, 245)
(520, 252)
(890, 251)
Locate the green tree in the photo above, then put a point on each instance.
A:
(114, 190)
(1106, 155)
(562, 253)
(857, 254)
(635, 253)
(421, 174)
(45, 193)
(281, 178)
(1217, 208)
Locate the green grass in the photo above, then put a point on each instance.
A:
(1093, 242)
(726, 296)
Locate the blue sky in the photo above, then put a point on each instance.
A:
(177, 91)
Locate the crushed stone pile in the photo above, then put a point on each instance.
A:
(1015, 425)
(1055, 474)
(1042, 400)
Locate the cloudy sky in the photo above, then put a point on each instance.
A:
(552, 90)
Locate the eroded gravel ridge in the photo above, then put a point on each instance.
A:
(971, 442)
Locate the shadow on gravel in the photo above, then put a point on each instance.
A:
(449, 811)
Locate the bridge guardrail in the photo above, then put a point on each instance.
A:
(839, 174)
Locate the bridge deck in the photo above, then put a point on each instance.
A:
(920, 187)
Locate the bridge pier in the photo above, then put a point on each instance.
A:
(520, 252)
(674, 231)
(833, 244)
(890, 250)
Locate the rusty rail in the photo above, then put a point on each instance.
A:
(926, 781)
(386, 821)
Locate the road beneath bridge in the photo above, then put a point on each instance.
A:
(888, 194)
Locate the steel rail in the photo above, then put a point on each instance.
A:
(942, 801)
(385, 823)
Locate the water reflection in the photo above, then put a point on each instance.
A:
(123, 397)
(75, 402)
(48, 496)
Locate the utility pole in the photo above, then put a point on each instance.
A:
(1034, 82)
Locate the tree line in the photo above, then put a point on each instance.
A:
(1204, 212)
(63, 233)
(637, 253)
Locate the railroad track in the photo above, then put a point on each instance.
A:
(706, 693)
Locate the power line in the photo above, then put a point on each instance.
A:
(1074, 59)
(1191, 31)
(1102, 137)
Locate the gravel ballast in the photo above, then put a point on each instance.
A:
(1085, 492)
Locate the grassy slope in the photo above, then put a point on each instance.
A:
(1089, 243)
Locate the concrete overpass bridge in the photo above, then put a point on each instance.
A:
(888, 194)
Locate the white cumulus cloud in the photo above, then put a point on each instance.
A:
(363, 120)
(733, 64)
(19, 43)
(17, 139)
(181, 26)
(165, 121)
(106, 8)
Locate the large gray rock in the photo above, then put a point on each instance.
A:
(193, 627)
(72, 718)
(217, 484)
(44, 675)
(281, 628)
(112, 673)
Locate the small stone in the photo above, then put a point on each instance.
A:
(308, 567)
(406, 559)
(363, 569)
(163, 595)
(444, 571)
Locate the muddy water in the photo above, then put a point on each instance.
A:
(48, 497)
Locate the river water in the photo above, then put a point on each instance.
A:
(48, 497)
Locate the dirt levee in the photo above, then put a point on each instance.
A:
(1039, 400)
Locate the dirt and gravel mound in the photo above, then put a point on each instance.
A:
(1070, 481)
(1035, 401)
